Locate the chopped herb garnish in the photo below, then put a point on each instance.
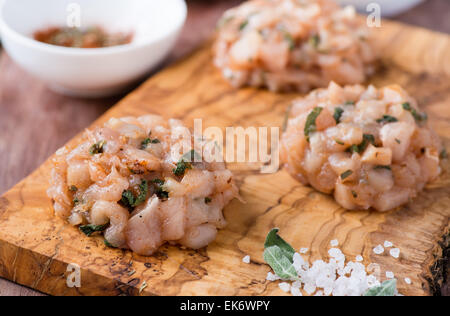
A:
(159, 191)
(346, 174)
(355, 195)
(107, 244)
(97, 148)
(398, 141)
(88, 230)
(387, 119)
(417, 116)
(443, 154)
(338, 114)
(208, 200)
(181, 168)
(339, 142)
(367, 139)
(288, 37)
(149, 141)
(310, 126)
(130, 200)
(243, 25)
(76, 201)
(314, 41)
(73, 188)
(383, 167)
(350, 103)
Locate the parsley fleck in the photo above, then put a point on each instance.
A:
(159, 191)
(350, 103)
(310, 126)
(73, 188)
(130, 200)
(383, 167)
(149, 141)
(181, 168)
(314, 41)
(107, 244)
(97, 148)
(339, 142)
(398, 141)
(208, 200)
(338, 114)
(355, 195)
(243, 25)
(346, 174)
(417, 116)
(367, 139)
(76, 201)
(88, 230)
(387, 119)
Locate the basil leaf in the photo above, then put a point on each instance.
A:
(88, 230)
(387, 288)
(281, 265)
(273, 239)
(310, 126)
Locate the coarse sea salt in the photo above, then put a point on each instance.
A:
(296, 291)
(390, 275)
(359, 259)
(378, 250)
(285, 287)
(246, 259)
(334, 243)
(388, 244)
(408, 281)
(303, 250)
(395, 252)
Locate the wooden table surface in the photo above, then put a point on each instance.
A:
(34, 122)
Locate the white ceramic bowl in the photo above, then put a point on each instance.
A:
(99, 71)
(388, 7)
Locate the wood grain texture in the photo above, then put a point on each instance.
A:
(35, 247)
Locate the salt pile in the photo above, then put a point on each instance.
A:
(335, 277)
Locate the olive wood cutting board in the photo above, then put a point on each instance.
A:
(36, 247)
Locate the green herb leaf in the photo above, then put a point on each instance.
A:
(159, 191)
(97, 148)
(310, 126)
(88, 230)
(208, 200)
(243, 25)
(73, 188)
(383, 167)
(314, 41)
(107, 244)
(76, 201)
(288, 37)
(131, 201)
(355, 195)
(387, 288)
(387, 119)
(346, 174)
(350, 103)
(181, 168)
(339, 142)
(338, 114)
(273, 239)
(149, 141)
(367, 139)
(281, 265)
(417, 116)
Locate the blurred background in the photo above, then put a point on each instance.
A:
(35, 121)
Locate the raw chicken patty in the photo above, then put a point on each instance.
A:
(293, 45)
(371, 147)
(133, 180)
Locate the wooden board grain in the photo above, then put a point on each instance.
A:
(36, 247)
